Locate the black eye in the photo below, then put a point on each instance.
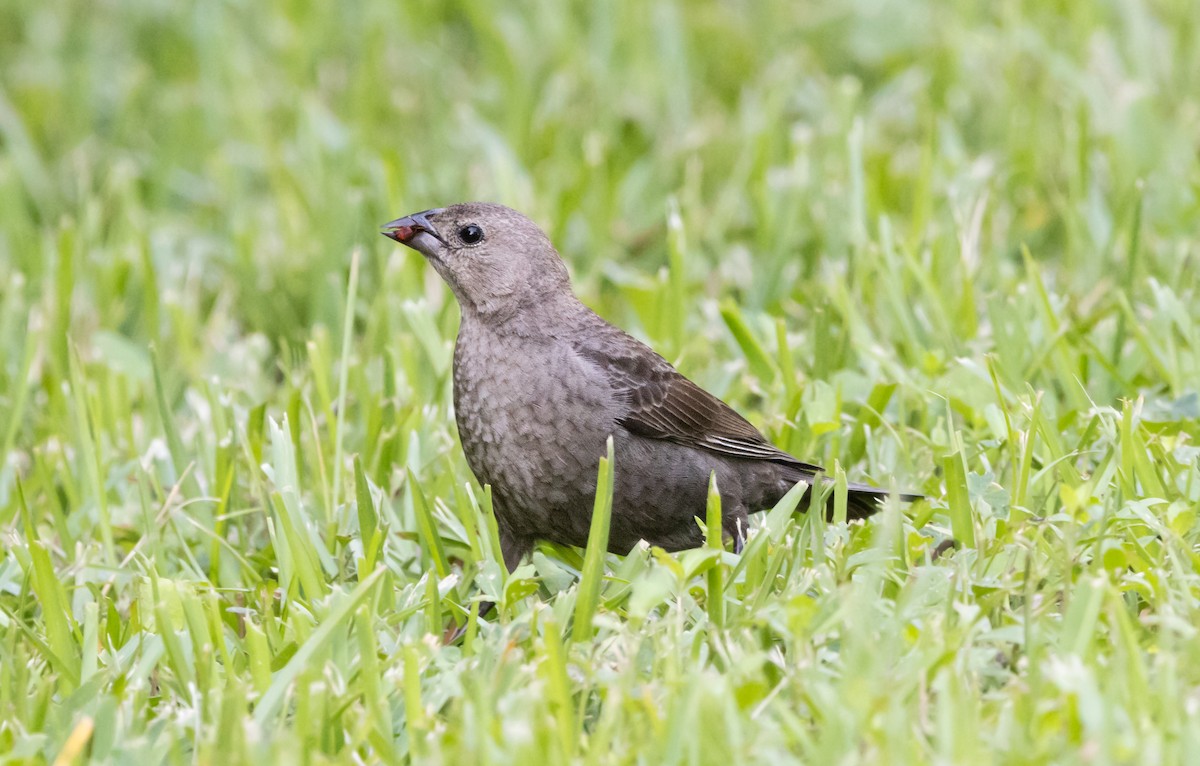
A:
(470, 234)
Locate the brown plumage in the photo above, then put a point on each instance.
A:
(541, 382)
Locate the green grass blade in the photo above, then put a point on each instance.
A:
(427, 527)
(343, 376)
(179, 459)
(714, 539)
(368, 519)
(59, 630)
(554, 670)
(958, 499)
(759, 360)
(592, 577)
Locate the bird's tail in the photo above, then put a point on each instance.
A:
(863, 500)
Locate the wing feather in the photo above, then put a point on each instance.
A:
(663, 404)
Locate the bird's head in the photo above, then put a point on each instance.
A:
(495, 260)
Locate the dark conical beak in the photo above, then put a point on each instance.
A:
(404, 229)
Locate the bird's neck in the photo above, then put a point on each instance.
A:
(544, 317)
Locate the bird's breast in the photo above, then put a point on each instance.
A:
(533, 420)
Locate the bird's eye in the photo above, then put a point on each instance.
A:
(470, 234)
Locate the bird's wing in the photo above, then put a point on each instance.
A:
(663, 404)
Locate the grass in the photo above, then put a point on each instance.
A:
(944, 246)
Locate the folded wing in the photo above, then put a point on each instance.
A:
(663, 404)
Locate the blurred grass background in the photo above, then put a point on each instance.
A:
(946, 246)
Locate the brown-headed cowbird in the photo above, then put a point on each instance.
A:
(541, 382)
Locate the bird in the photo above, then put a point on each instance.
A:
(541, 382)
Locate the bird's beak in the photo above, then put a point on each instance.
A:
(405, 230)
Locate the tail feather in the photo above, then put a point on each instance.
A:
(867, 489)
(863, 500)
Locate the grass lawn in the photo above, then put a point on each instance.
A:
(942, 246)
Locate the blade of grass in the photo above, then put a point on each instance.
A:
(368, 519)
(89, 454)
(415, 719)
(714, 532)
(174, 442)
(958, 499)
(593, 561)
(759, 360)
(554, 671)
(431, 541)
(343, 374)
